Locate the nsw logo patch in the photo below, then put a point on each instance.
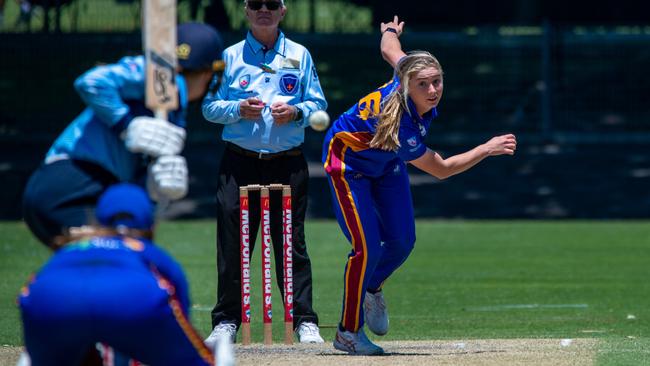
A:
(244, 81)
(289, 83)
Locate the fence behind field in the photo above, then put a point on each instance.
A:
(574, 95)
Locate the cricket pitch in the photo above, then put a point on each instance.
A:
(490, 352)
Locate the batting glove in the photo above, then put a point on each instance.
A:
(154, 136)
(167, 178)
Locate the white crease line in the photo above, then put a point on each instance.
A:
(201, 308)
(526, 306)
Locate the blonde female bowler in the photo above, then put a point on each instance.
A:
(365, 154)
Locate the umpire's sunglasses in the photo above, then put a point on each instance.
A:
(257, 5)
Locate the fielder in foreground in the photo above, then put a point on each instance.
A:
(112, 284)
(365, 154)
(116, 137)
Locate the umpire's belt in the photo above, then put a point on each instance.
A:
(296, 151)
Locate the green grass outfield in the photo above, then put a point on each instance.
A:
(464, 280)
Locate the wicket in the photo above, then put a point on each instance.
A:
(287, 261)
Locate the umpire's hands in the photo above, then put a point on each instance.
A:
(154, 137)
(282, 112)
(251, 108)
(167, 178)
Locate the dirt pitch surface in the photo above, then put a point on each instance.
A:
(491, 352)
(9, 355)
(552, 352)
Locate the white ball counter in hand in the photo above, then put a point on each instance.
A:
(319, 120)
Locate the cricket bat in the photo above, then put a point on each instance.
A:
(159, 43)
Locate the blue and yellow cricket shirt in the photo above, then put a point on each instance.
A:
(347, 144)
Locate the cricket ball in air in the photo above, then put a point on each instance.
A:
(319, 120)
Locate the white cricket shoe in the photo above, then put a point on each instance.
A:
(224, 354)
(375, 313)
(24, 359)
(308, 332)
(222, 329)
(356, 343)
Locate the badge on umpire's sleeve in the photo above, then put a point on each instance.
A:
(244, 81)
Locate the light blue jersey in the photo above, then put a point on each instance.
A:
(285, 73)
(114, 94)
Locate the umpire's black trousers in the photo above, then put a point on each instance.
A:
(241, 167)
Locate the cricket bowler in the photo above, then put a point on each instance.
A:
(365, 153)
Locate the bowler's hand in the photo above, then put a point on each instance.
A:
(282, 112)
(499, 145)
(251, 108)
(395, 24)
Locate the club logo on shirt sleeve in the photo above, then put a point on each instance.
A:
(244, 81)
(289, 84)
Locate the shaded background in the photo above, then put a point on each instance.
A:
(570, 80)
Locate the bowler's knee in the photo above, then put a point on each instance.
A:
(401, 247)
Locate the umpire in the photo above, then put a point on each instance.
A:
(269, 89)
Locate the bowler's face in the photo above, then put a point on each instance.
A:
(265, 18)
(425, 89)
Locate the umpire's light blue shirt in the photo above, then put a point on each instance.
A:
(291, 77)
